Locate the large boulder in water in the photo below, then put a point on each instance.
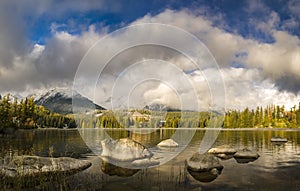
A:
(124, 149)
(127, 153)
(168, 143)
(204, 167)
(35, 167)
(203, 162)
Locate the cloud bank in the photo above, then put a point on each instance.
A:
(254, 72)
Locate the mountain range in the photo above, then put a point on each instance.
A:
(61, 100)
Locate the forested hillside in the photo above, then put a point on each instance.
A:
(25, 114)
(271, 116)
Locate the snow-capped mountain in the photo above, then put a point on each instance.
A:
(59, 100)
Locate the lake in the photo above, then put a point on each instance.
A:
(277, 168)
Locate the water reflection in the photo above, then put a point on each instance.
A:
(208, 176)
(244, 160)
(277, 143)
(39, 142)
(277, 168)
(113, 170)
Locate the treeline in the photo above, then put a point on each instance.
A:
(271, 116)
(125, 119)
(24, 114)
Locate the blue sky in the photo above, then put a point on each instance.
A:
(237, 16)
(256, 42)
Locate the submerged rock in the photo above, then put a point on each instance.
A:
(34, 167)
(168, 143)
(204, 167)
(223, 149)
(124, 149)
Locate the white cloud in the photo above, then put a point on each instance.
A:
(255, 6)
(274, 61)
(290, 24)
(47, 65)
(248, 88)
(268, 26)
(257, 84)
(278, 59)
(163, 94)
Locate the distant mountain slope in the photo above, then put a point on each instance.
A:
(159, 107)
(59, 100)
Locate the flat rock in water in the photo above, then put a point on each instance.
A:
(279, 139)
(223, 149)
(246, 154)
(168, 143)
(35, 166)
(224, 156)
(124, 149)
(203, 162)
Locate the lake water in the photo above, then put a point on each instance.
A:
(277, 168)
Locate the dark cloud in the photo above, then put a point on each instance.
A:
(13, 40)
(289, 83)
(60, 58)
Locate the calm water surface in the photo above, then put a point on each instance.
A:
(277, 168)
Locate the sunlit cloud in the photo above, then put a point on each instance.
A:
(255, 72)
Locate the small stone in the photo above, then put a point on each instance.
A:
(168, 143)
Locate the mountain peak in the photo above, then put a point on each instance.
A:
(60, 100)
